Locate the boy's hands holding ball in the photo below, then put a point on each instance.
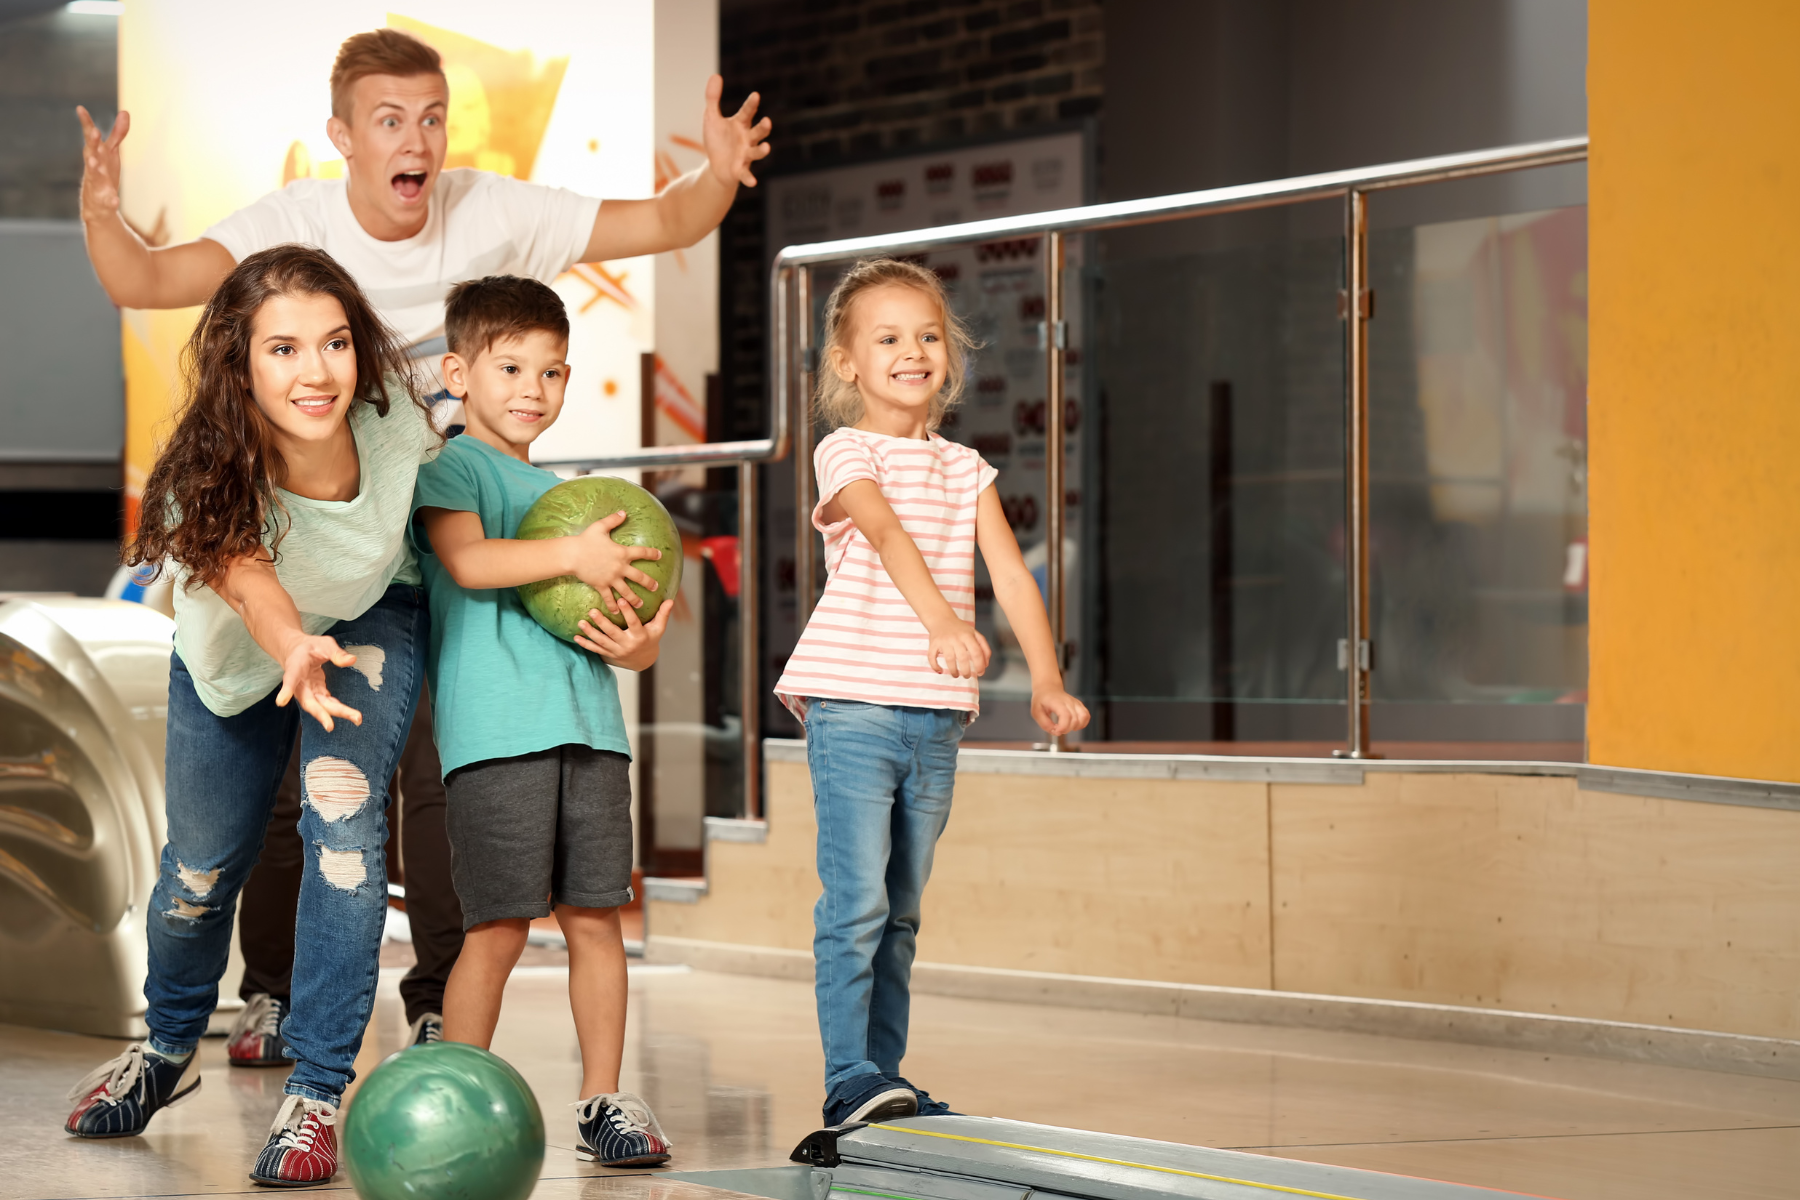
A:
(605, 565)
(633, 647)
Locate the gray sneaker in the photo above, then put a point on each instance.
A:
(426, 1030)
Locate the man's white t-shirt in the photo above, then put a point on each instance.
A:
(479, 224)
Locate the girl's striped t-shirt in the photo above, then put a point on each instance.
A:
(864, 642)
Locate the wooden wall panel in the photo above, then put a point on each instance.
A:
(1498, 891)
(1145, 879)
(759, 894)
(1526, 893)
(1141, 879)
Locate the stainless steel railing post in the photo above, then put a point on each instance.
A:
(749, 642)
(1356, 652)
(806, 562)
(1055, 493)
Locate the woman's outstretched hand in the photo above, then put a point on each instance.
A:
(303, 679)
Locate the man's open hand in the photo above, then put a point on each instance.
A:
(100, 165)
(733, 143)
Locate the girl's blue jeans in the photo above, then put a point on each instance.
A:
(221, 775)
(882, 779)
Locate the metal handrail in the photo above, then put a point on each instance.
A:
(1352, 186)
(697, 454)
(1237, 198)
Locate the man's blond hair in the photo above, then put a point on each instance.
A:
(378, 52)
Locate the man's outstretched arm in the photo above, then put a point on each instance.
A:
(133, 274)
(690, 207)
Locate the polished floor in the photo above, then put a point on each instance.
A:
(731, 1064)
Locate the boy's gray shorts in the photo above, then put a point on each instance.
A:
(554, 824)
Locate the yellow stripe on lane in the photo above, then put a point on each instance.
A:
(1119, 1162)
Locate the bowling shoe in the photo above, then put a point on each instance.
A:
(302, 1147)
(255, 1039)
(870, 1098)
(619, 1130)
(118, 1098)
(927, 1106)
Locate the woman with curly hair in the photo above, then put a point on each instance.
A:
(281, 500)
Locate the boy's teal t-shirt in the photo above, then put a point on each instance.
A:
(501, 684)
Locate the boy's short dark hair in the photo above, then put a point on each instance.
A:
(480, 312)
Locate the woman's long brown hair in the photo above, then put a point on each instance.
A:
(211, 498)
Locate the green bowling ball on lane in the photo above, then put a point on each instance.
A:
(443, 1121)
(561, 604)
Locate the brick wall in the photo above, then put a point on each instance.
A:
(867, 77)
(846, 80)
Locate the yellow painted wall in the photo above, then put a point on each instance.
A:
(1694, 409)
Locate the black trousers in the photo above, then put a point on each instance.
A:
(272, 893)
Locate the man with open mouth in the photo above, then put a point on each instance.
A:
(406, 229)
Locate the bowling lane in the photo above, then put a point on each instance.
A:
(731, 1065)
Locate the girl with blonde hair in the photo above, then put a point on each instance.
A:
(885, 674)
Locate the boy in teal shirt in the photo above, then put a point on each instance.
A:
(536, 763)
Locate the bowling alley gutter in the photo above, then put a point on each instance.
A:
(1738, 1054)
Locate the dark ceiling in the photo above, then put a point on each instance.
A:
(12, 10)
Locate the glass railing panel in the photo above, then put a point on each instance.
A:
(999, 289)
(1478, 485)
(1211, 527)
(688, 736)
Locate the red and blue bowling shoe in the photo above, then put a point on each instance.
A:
(302, 1149)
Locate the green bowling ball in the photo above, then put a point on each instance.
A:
(443, 1121)
(561, 604)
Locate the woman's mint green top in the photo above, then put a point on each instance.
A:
(336, 560)
(501, 684)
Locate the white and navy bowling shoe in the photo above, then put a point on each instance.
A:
(618, 1129)
(118, 1098)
